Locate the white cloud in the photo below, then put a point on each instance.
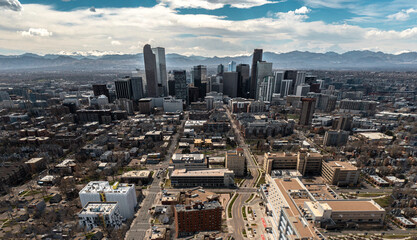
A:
(81, 31)
(403, 15)
(13, 5)
(296, 15)
(36, 32)
(216, 4)
(302, 10)
(329, 3)
(115, 43)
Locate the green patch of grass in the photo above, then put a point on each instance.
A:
(244, 212)
(385, 201)
(23, 193)
(293, 116)
(250, 198)
(250, 210)
(47, 198)
(244, 232)
(397, 236)
(229, 208)
(371, 194)
(31, 193)
(261, 180)
(168, 183)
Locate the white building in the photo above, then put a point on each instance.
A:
(302, 90)
(101, 191)
(285, 87)
(172, 105)
(102, 100)
(96, 214)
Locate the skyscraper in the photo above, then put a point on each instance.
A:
(181, 91)
(263, 69)
(302, 90)
(199, 77)
(307, 111)
(123, 88)
(242, 80)
(137, 86)
(161, 71)
(230, 82)
(98, 89)
(279, 76)
(257, 56)
(292, 75)
(265, 88)
(285, 87)
(220, 69)
(232, 66)
(150, 71)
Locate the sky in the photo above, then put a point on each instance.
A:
(206, 27)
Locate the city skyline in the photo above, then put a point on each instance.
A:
(200, 27)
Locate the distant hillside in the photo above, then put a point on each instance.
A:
(354, 60)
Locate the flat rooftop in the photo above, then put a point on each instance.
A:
(200, 173)
(137, 174)
(204, 206)
(99, 208)
(103, 186)
(301, 225)
(353, 205)
(34, 160)
(375, 136)
(342, 165)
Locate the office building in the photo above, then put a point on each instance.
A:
(192, 94)
(263, 69)
(343, 123)
(285, 88)
(204, 178)
(171, 87)
(220, 70)
(200, 80)
(150, 71)
(266, 88)
(100, 89)
(197, 217)
(357, 106)
(236, 161)
(123, 88)
(300, 79)
(256, 57)
(230, 83)
(340, 173)
(161, 71)
(171, 104)
(302, 90)
(101, 191)
(307, 111)
(291, 75)
(100, 214)
(279, 76)
(243, 80)
(232, 66)
(136, 86)
(180, 87)
(192, 161)
(335, 138)
(304, 162)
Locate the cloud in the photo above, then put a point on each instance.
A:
(296, 15)
(191, 34)
(302, 10)
(115, 43)
(404, 15)
(36, 32)
(216, 4)
(328, 3)
(13, 5)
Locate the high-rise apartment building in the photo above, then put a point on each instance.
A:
(307, 111)
(335, 138)
(150, 71)
(257, 56)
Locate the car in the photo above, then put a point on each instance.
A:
(254, 231)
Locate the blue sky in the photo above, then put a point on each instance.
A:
(207, 27)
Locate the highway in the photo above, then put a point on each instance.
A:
(237, 222)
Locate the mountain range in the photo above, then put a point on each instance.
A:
(353, 60)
